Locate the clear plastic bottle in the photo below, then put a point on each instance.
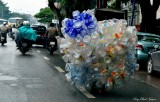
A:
(79, 38)
(109, 85)
(76, 14)
(118, 81)
(86, 39)
(67, 23)
(77, 25)
(111, 51)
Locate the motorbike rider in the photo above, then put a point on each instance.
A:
(51, 33)
(10, 30)
(4, 30)
(14, 31)
(26, 33)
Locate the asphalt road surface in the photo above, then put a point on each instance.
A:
(40, 77)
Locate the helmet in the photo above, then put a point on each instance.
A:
(4, 23)
(26, 23)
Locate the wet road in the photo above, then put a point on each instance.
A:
(30, 78)
(153, 80)
(39, 77)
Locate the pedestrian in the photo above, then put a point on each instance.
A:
(10, 30)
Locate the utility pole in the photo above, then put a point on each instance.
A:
(104, 3)
(133, 8)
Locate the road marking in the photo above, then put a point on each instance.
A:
(46, 58)
(85, 92)
(146, 82)
(38, 51)
(153, 85)
(59, 69)
(5, 78)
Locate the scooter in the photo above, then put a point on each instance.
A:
(24, 46)
(52, 45)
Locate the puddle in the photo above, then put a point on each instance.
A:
(7, 78)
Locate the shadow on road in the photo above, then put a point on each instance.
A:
(25, 56)
(156, 74)
(4, 46)
(38, 47)
(142, 73)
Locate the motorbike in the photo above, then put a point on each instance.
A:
(12, 35)
(3, 39)
(24, 46)
(52, 45)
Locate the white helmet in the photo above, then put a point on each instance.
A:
(26, 23)
(4, 23)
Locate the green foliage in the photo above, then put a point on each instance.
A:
(111, 4)
(78, 4)
(71, 5)
(45, 15)
(4, 10)
(5, 13)
(115, 4)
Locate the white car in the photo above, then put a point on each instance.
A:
(154, 60)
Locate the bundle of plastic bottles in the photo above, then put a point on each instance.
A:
(100, 54)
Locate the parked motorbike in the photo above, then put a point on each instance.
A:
(52, 45)
(24, 46)
(3, 39)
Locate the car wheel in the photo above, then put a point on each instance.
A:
(149, 66)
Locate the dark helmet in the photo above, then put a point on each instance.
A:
(52, 25)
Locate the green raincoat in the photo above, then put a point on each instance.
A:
(27, 33)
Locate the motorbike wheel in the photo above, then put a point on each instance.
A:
(13, 38)
(22, 51)
(51, 49)
(51, 53)
(2, 44)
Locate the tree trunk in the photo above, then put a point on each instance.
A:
(57, 12)
(98, 4)
(118, 5)
(155, 7)
(148, 11)
(104, 3)
(79, 5)
(101, 4)
(68, 12)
